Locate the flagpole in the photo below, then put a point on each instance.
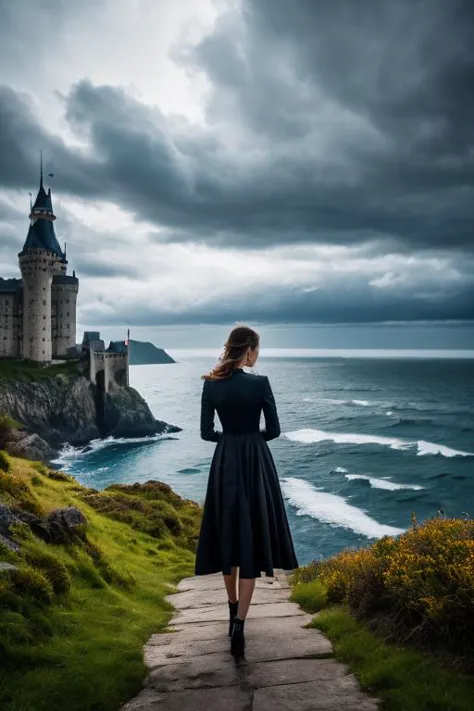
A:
(128, 356)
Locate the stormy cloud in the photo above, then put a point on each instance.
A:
(322, 125)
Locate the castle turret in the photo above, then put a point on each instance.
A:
(49, 295)
(63, 315)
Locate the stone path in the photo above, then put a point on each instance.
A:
(286, 667)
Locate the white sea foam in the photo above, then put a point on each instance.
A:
(383, 483)
(309, 436)
(432, 448)
(332, 509)
(340, 470)
(359, 403)
(70, 453)
(389, 413)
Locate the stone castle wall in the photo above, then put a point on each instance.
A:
(108, 369)
(10, 321)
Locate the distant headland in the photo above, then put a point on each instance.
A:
(146, 353)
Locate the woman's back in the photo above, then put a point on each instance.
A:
(239, 401)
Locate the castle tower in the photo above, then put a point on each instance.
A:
(49, 316)
(63, 314)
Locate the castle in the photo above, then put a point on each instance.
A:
(38, 311)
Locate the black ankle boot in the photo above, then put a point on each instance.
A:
(233, 606)
(237, 642)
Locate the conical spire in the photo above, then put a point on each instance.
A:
(41, 233)
(43, 205)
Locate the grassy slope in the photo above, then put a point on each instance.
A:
(404, 679)
(82, 651)
(28, 371)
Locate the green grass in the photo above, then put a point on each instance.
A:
(28, 371)
(310, 596)
(74, 619)
(404, 679)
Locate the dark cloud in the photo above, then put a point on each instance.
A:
(359, 114)
(92, 267)
(344, 301)
(335, 122)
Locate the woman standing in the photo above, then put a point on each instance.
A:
(244, 530)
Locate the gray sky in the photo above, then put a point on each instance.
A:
(246, 160)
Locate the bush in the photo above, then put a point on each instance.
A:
(4, 463)
(15, 491)
(311, 596)
(7, 424)
(31, 583)
(423, 581)
(52, 568)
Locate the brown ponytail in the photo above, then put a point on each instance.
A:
(240, 340)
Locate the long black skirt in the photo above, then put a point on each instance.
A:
(244, 523)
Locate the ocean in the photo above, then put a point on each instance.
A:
(369, 439)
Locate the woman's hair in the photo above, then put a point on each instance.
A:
(240, 340)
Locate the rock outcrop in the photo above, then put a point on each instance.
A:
(20, 443)
(60, 526)
(66, 409)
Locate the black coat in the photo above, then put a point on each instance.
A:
(244, 523)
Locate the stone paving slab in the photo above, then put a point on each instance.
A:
(312, 696)
(215, 613)
(287, 666)
(214, 582)
(297, 643)
(202, 598)
(199, 673)
(283, 626)
(221, 699)
(293, 671)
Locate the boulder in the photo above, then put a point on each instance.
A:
(39, 527)
(64, 524)
(29, 446)
(60, 526)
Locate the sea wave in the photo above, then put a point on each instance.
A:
(332, 509)
(385, 484)
(340, 470)
(358, 403)
(69, 453)
(310, 436)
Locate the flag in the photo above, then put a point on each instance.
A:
(50, 175)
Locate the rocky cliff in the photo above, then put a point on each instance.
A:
(67, 409)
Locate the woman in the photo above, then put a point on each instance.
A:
(244, 530)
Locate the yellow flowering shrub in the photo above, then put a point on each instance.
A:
(423, 580)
